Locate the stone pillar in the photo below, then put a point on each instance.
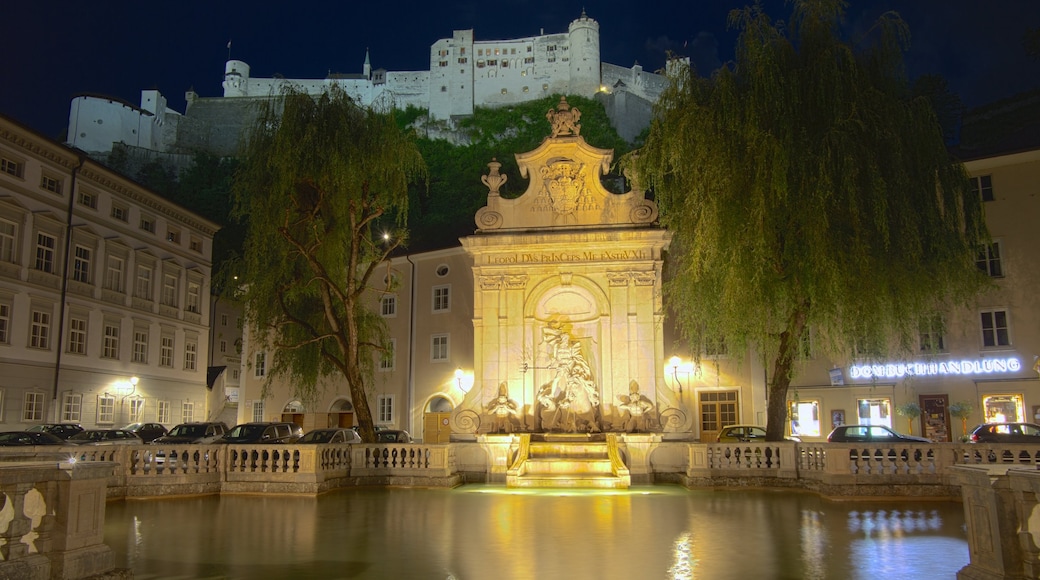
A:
(638, 448)
(499, 450)
(996, 529)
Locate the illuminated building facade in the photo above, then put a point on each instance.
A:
(104, 286)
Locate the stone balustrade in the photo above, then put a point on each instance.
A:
(52, 517)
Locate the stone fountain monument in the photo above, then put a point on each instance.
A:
(568, 308)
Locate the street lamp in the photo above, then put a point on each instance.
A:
(674, 362)
(463, 386)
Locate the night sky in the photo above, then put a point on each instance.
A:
(54, 50)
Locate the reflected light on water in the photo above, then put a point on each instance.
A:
(477, 532)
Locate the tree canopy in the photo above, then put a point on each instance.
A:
(808, 188)
(319, 181)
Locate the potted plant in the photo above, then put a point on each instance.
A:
(962, 410)
(911, 411)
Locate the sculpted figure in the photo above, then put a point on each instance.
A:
(503, 411)
(637, 410)
(574, 392)
(549, 410)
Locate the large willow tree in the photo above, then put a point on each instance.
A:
(318, 175)
(807, 188)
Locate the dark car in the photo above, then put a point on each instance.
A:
(60, 430)
(262, 432)
(105, 437)
(331, 435)
(23, 438)
(393, 436)
(147, 431)
(870, 434)
(203, 432)
(1005, 433)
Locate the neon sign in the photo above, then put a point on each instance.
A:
(923, 369)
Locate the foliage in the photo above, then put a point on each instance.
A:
(806, 187)
(909, 410)
(442, 214)
(961, 409)
(318, 175)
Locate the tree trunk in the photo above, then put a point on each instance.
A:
(776, 405)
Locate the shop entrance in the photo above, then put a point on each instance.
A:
(437, 421)
(935, 419)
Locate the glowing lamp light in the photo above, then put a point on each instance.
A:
(464, 386)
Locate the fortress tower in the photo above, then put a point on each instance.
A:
(236, 79)
(584, 49)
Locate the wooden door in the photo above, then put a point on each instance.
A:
(717, 410)
(436, 428)
(935, 418)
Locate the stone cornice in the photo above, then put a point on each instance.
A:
(37, 146)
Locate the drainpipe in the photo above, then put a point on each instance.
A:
(64, 288)
(411, 347)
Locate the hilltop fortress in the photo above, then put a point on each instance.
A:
(463, 74)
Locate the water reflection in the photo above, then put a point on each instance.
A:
(478, 532)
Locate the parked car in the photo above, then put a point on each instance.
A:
(1005, 433)
(203, 432)
(147, 431)
(745, 434)
(60, 430)
(263, 432)
(23, 438)
(105, 437)
(393, 436)
(332, 435)
(870, 434)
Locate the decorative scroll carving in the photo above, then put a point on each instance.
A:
(643, 213)
(618, 278)
(490, 282)
(644, 278)
(516, 282)
(465, 421)
(494, 180)
(564, 119)
(488, 219)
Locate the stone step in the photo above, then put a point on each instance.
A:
(568, 466)
(597, 450)
(569, 482)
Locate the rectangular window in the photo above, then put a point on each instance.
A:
(388, 306)
(995, 328)
(166, 351)
(32, 408)
(805, 418)
(87, 199)
(257, 411)
(234, 374)
(71, 407)
(387, 360)
(5, 323)
(143, 286)
(715, 346)
(114, 274)
(136, 410)
(195, 244)
(173, 235)
(50, 184)
(81, 265)
(10, 167)
(983, 187)
(439, 347)
(140, 345)
(44, 252)
(385, 409)
(7, 238)
(187, 412)
(988, 260)
(77, 335)
(191, 355)
(169, 291)
(223, 319)
(120, 213)
(147, 224)
(163, 412)
(40, 330)
(260, 364)
(110, 346)
(874, 412)
(932, 329)
(194, 294)
(223, 346)
(441, 298)
(106, 409)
